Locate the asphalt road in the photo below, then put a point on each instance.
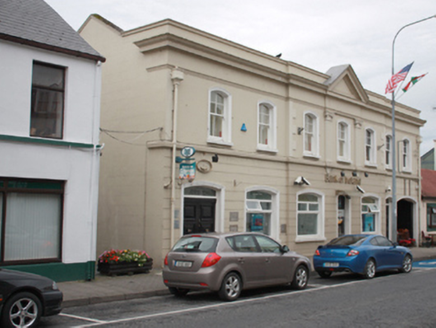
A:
(344, 300)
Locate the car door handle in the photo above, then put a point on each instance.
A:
(241, 260)
(267, 260)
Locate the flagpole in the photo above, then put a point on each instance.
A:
(394, 146)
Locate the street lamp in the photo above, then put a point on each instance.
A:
(394, 173)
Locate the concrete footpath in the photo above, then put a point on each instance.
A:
(107, 288)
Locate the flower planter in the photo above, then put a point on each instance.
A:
(120, 268)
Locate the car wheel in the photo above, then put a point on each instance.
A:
(407, 264)
(179, 292)
(22, 310)
(301, 277)
(369, 271)
(324, 274)
(230, 287)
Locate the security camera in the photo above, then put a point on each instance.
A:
(305, 181)
(360, 189)
(301, 180)
(388, 189)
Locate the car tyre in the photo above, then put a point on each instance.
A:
(178, 292)
(407, 264)
(324, 274)
(21, 310)
(230, 287)
(369, 271)
(301, 277)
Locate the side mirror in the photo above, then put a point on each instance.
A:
(284, 249)
(395, 244)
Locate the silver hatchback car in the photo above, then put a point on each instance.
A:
(227, 263)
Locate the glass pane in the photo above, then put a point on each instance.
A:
(259, 222)
(302, 207)
(264, 114)
(258, 195)
(217, 103)
(368, 222)
(216, 123)
(265, 205)
(307, 198)
(307, 224)
(313, 207)
(263, 134)
(368, 200)
(267, 245)
(32, 226)
(47, 76)
(252, 205)
(46, 114)
(200, 191)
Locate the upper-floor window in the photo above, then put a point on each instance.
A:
(266, 127)
(388, 151)
(370, 158)
(310, 135)
(343, 142)
(47, 106)
(406, 155)
(219, 117)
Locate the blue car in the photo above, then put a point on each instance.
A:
(362, 254)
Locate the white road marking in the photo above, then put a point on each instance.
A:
(81, 318)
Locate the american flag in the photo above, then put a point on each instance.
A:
(397, 78)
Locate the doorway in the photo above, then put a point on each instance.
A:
(405, 217)
(198, 215)
(343, 215)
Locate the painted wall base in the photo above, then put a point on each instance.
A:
(59, 272)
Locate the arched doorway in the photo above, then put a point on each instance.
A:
(405, 216)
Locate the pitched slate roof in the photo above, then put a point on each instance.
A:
(428, 183)
(35, 23)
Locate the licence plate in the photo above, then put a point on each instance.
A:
(331, 264)
(183, 264)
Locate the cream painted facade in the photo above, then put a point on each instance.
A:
(268, 121)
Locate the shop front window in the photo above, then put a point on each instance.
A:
(431, 217)
(258, 207)
(370, 214)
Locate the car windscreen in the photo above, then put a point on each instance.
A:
(196, 244)
(348, 241)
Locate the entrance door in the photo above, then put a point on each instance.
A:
(199, 215)
(405, 216)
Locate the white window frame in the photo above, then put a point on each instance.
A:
(275, 209)
(314, 135)
(226, 135)
(271, 144)
(345, 140)
(320, 235)
(371, 208)
(406, 150)
(388, 151)
(372, 161)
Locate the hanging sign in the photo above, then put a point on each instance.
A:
(187, 171)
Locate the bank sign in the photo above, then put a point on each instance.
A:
(187, 171)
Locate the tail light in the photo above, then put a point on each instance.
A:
(353, 252)
(166, 260)
(211, 259)
(317, 253)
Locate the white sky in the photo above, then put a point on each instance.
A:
(318, 34)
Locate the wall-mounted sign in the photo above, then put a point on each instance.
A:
(187, 171)
(187, 151)
(340, 179)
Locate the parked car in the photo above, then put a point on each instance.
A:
(363, 254)
(227, 263)
(25, 297)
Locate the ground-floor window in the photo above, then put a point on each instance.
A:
(310, 215)
(431, 217)
(31, 214)
(258, 211)
(370, 214)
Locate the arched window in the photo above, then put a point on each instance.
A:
(310, 216)
(219, 117)
(310, 135)
(370, 153)
(388, 151)
(370, 215)
(266, 126)
(261, 208)
(406, 166)
(343, 142)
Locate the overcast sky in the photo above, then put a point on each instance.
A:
(318, 34)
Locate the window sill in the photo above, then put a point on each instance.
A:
(344, 161)
(311, 156)
(220, 142)
(371, 164)
(268, 150)
(310, 239)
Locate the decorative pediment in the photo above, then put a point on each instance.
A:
(343, 81)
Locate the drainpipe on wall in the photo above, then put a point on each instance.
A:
(176, 77)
